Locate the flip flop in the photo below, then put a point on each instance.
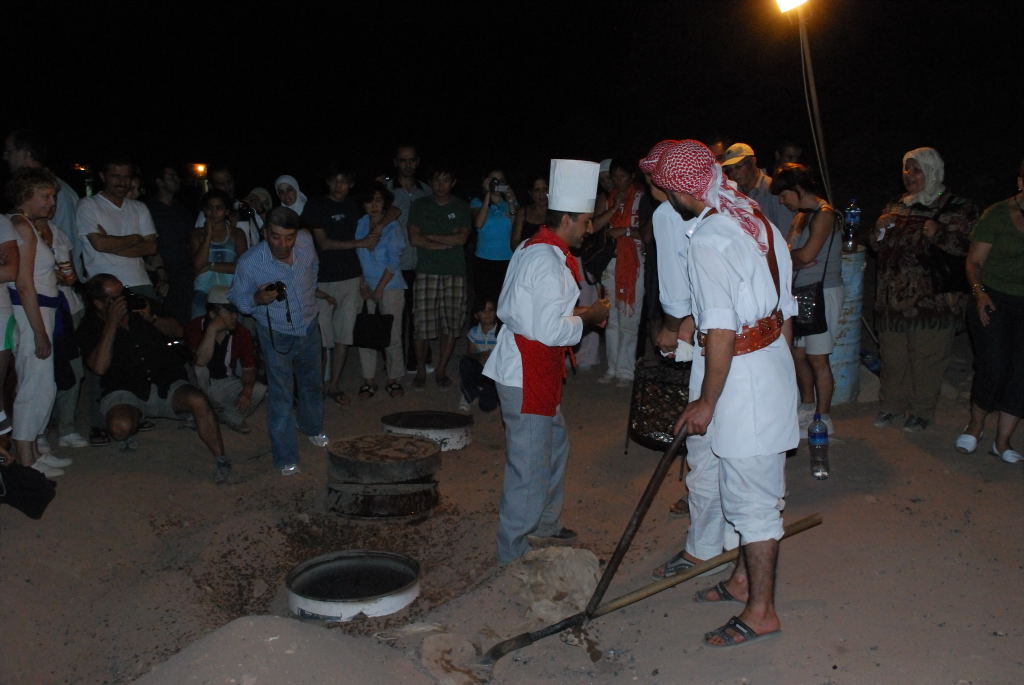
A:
(680, 508)
(733, 630)
(340, 398)
(677, 564)
(701, 596)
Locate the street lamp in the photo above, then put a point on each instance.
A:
(810, 91)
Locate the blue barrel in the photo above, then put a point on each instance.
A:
(845, 357)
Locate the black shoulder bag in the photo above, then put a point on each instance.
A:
(948, 272)
(810, 299)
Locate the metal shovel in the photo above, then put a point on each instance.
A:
(594, 607)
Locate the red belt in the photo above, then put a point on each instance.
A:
(752, 338)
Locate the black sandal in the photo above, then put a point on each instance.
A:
(366, 391)
(395, 389)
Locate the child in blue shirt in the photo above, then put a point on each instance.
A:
(482, 338)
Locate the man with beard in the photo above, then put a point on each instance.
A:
(743, 392)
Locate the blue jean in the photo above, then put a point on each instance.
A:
(537, 449)
(293, 371)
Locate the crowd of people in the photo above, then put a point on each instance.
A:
(140, 308)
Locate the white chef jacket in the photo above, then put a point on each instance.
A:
(130, 218)
(733, 287)
(536, 301)
(672, 235)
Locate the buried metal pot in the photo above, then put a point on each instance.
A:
(450, 430)
(338, 586)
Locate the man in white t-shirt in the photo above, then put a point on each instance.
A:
(116, 232)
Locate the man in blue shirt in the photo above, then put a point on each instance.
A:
(275, 283)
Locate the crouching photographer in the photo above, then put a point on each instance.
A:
(142, 373)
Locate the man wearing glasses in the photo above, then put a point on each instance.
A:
(740, 164)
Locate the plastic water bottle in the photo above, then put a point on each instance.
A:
(851, 226)
(817, 441)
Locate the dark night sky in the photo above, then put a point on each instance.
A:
(285, 90)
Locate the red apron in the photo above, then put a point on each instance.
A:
(543, 366)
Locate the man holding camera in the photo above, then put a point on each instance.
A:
(275, 283)
(141, 373)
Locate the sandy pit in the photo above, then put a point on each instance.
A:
(142, 568)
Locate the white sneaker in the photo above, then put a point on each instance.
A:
(72, 440)
(43, 445)
(606, 379)
(624, 383)
(1010, 456)
(804, 416)
(48, 471)
(53, 461)
(827, 420)
(320, 440)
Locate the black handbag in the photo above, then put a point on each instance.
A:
(25, 489)
(810, 317)
(372, 331)
(595, 253)
(948, 272)
(810, 300)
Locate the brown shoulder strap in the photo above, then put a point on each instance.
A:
(773, 263)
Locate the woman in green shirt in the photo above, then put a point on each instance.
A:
(995, 272)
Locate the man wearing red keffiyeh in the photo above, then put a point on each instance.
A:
(743, 391)
(538, 307)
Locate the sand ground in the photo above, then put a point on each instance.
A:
(142, 568)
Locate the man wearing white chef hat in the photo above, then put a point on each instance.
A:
(538, 307)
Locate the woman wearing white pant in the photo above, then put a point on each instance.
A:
(35, 301)
(623, 279)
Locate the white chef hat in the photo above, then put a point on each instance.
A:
(573, 185)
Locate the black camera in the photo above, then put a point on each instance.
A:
(245, 212)
(134, 301)
(282, 290)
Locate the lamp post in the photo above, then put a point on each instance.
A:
(199, 174)
(810, 91)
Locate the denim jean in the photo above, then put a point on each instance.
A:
(293, 371)
(537, 448)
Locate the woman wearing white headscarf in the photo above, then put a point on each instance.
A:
(288, 192)
(919, 239)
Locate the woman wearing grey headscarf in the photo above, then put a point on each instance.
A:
(288, 192)
(918, 240)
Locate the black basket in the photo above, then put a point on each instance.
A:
(661, 389)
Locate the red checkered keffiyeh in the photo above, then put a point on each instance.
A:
(690, 167)
(648, 163)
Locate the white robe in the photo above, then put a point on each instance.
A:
(733, 287)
